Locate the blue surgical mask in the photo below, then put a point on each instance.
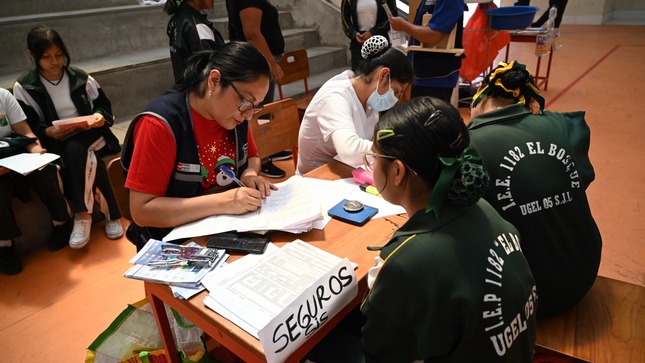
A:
(384, 102)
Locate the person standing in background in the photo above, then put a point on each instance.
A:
(257, 22)
(189, 31)
(560, 5)
(363, 19)
(435, 74)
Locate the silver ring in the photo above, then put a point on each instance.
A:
(353, 206)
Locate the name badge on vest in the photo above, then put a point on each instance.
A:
(188, 168)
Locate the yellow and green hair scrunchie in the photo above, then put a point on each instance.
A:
(495, 80)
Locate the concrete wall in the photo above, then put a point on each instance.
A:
(311, 13)
(28, 7)
(624, 9)
(585, 12)
(593, 12)
(88, 34)
(626, 5)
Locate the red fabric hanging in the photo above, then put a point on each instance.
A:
(476, 38)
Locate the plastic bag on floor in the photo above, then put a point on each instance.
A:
(134, 337)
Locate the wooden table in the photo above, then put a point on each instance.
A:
(608, 325)
(338, 238)
(531, 38)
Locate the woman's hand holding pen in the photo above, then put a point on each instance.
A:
(250, 179)
(241, 200)
(248, 198)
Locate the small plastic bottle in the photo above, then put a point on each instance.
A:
(553, 12)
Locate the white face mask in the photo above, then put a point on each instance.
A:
(384, 102)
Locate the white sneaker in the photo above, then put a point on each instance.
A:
(113, 229)
(80, 233)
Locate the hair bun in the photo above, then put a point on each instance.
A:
(470, 184)
(374, 45)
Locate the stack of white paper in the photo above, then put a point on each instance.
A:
(292, 208)
(283, 296)
(25, 163)
(256, 288)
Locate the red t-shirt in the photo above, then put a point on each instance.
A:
(154, 156)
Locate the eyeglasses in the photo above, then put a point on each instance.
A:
(369, 159)
(246, 105)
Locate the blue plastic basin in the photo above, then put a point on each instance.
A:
(511, 17)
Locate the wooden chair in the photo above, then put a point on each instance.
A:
(278, 131)
(116, 174)
(295, 65)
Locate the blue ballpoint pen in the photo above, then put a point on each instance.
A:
(231, 175)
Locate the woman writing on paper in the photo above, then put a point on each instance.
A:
(340, 118)
(54, 90)
(177, 150)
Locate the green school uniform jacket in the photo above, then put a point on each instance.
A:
(42, 112)
(539, 170)
(453, 289)
(189, 31)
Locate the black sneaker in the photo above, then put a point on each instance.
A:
(60, 235)
(9, 262)
(282, 155)
(271, 171)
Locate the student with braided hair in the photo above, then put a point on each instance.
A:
(452, 284)
(341, 116)
(539, 171)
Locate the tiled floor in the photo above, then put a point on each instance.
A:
(62, 300)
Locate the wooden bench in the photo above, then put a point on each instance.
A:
(608, 325)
